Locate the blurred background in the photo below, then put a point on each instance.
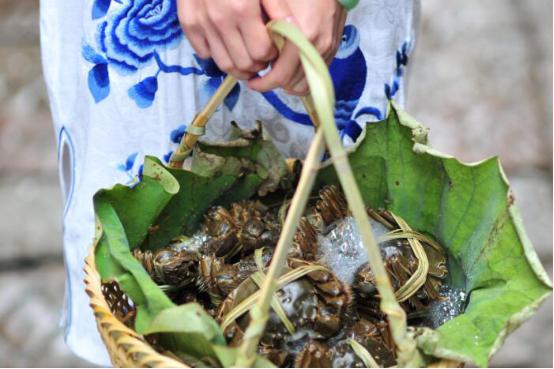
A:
(481, 80)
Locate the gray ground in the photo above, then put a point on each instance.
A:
(481, 80)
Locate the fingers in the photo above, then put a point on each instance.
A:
(225, 40)
(287, 71)
(276, 9)
(282, 71)
(327, 40)
(301, 88)
(321, 22)
(240, 57)
(297, 85)
(337, 39)
(232, 33)
(221, 56)
(190, 14)
(257, 40)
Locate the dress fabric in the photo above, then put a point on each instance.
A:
(124, 82)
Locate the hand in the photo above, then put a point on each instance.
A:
(322, 21)
(233, 33)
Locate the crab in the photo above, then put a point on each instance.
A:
(245, 227)
(398, 256)
(400, 266)
(319, 314)
(168, 266)
(331, 204)
(318, 305)
(219, 279)
(338, 353)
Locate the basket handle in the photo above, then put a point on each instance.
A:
(197, 126)
(322, 93)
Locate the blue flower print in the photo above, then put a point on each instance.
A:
(100, 8)
(215, 77)
(349, 73)
(131, 36)
(129, 163)
(98, 77)
(401, 62)
(128, 167)
(167, 156)
(177, 134)
(99, 82)
(144, 92)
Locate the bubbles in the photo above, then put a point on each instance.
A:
(193, 243)
(342, 249)
(450, 305)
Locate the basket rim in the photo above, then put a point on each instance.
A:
(126, 347)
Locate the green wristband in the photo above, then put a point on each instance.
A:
(348, 4)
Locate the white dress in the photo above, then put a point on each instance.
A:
(124, 82)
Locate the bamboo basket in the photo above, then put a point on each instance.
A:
(113, 311)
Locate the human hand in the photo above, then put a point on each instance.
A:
(233, 33)
(322, 21)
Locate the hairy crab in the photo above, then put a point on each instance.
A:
(338, 352)
(245, 227)
(316, 316)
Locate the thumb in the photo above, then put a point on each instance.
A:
(276, 9)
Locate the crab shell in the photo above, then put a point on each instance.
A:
(219, 278)
(242, 229)
(400, 267)
(339, 353)
(318, 304)
(168, 266)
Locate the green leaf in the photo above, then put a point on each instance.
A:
(157, 210)
(196, 333)
(220, 173)
(135, 281)
(139, 207)
(468, 208)
(193, 330)
(249, 152)
(186, 328)
(228, 357)
(185, 210)
(188, 318)
(243, 189)
(211, 165)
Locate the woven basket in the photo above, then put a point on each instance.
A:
(113, 311)
(128, 349)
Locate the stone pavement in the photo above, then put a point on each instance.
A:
(481, 80)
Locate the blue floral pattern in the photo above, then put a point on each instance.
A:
(132, 169)
(349, 73)
(132, 35)
(401, 62)
(215, 78)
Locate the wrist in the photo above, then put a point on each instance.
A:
(348, 4)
